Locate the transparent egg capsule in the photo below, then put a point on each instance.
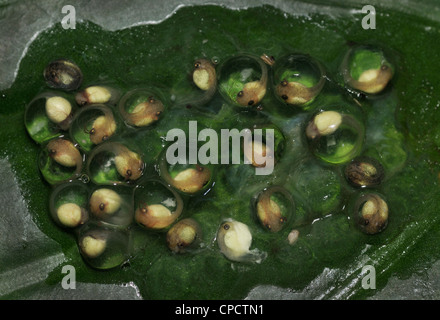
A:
(366, 69)
(370, 213)
(335, 135)
(185, 174)
(97, 94)
(112, 163)
(364, 172)
(48, 115)
(141, 107)
(94, 124)
(156, 205)
(265, 147)
(235, 239)
(273, 207)
(102, 246)
(112, 204)
(200, 86)
(184, 236)
(68, 204)
(242, 80)
(298, 79)
(63, 74)
(60, 160)
(189, 179)
(317, 187)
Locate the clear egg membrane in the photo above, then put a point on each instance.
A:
(160, 56)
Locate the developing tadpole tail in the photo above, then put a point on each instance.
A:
(128, 163)
(103, 127)
(371, 213)
(113, 163)
(366, 69)
(65, 153)
(94, 124)
(243, 80)
(60, 161)
(364, 172)
(141, 107)
(298, 79)
(254, 91)
(157, 205)
(273, 208)
(373, 80)
(192, 180)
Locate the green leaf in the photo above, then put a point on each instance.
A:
(330, 250)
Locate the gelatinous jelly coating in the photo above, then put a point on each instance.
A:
(113, 163)
(157, 205)
(48, 116)
(334, 135)
(243, 80)
(63, 74)
(184, 235)
(141, 107)
(364, 172)
(60, 161)
(68, 204)
(298, 79)
(274, 207)
(93, 125)
(371, 213)
(366, 69)
(103, 246)
(189, 179)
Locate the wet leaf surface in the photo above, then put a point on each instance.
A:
(328, 258)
